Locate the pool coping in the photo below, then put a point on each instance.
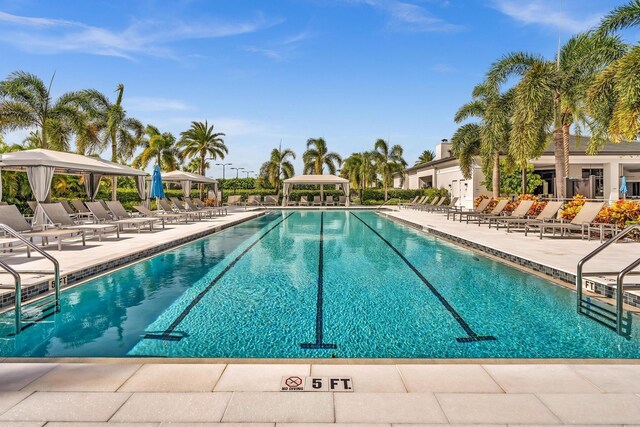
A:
(76, 277)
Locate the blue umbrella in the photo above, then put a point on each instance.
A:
(623, 185)
(156, 184)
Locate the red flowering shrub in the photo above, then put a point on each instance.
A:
(621, 213)
(572, 208)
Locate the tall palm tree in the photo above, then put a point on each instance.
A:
(123, 134)
(318, 156)
(360, 170)
(550, 93)
(160, 148)
(27, 104)
(465, 145)
(388, 161)
(279, 167)
(425, 157)
(613, 100)
(201, 141)
(494, 111)
(195, 164)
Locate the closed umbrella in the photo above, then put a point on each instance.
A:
(156, 185)
(623, 186)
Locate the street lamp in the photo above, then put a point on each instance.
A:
(248, 172)
(224, 166)
(235, 184)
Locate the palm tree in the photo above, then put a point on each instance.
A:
(494, 110)
(612, 100)
(124, 134)
(465, 145)
(388, 161)
(360, 170)
(552, 92)
(426, 157)
(194, 165)
(279, 167)
(159, 147)
(27, 104)
(318, 156)
(200, 140)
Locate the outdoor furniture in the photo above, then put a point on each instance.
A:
(317, 200)
(496, 212)
(342, 201)
(234, 200)
(304, 201)
(519, 212)
(253, 200)
(270, 201)
(433, 207)
(222, 210)
(425, 201)
(328, 201)
(580, 222)
(194, 208)
(451, 205)
(601, 229)
(120, 213)
(11, 217)
(427, 205)
(478, 209)
(144, 211)
(547, 214)
(165, 206)
(103, 217)
(402, 205)
(67, 207)
(55, 213)
(189, 208)
(81, 209)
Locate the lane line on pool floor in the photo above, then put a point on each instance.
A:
(319, 303)
(167, 334)
(471, 334)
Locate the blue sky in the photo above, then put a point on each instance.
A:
(350, 71)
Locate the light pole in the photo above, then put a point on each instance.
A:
(248, 172)
(224, 166)
(235, 184)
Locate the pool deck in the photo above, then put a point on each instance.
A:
(153, 392)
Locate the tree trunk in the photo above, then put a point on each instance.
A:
(385, 188)
(202, 159)
(565, 147)
(114, 159)
(524, 180)
(558, 149)
(495, 178)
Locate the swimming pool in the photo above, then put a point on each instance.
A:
(315, 284)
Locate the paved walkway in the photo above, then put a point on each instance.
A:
(33, 394)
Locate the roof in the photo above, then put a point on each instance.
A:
(578, 146)
(316, 179)
(186, 176)
(431, 163)
(66, 163)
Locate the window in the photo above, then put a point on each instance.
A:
(599, 174)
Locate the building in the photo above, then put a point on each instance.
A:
(603, 170)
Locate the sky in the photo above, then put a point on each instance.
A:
(265, 72)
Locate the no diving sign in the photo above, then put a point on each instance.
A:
(295, 383)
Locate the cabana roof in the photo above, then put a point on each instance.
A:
(65, 163)
(178, 176)
(316, 179)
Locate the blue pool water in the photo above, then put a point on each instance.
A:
(320, 284)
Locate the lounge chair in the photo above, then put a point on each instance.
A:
(580, 222)
(205, 210)
(103, 217)
(317, 201)
(189, 208)
(328, 201)
(431, 204)
(518, 213)
(67, 207)
(144, 211)
(81, 209)
(496, 212)
(482, 206)
(222, 210)
(11, 216)
(547, 214)
(120, 213)
(59, 218)
(402, 205)
(451, 205)
(342, 201)
(434, 206)
(270, 201)
(166, 207)
(425, 201)
(253, 200)
(304, 201)
(234, 200)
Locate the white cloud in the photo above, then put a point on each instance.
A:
(442, 68)
(546, 13)
(147, 37)
(148, 104)
(269, 53)
(405, 16)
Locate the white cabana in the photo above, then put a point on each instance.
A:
(186, 179)
(320, 180)
(40, 166)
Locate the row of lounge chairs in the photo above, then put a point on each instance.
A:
(547, 222)
(99, 218)
(236, 200)
(317, 201)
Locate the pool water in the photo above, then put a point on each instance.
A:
(320, 284)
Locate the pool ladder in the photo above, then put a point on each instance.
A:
(44, 307)
(614, 319)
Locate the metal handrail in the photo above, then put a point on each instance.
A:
(390, 200)
(18, 292)
(620, 293)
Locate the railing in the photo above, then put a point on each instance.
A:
(18, 282)
(387, 202)
(619, 279)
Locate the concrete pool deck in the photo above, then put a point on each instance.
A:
(150, 394)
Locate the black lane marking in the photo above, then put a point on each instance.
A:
(167, 334)
(319, 302)
(471, 335)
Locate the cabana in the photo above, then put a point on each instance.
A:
(320, 180)
(40, 166)
(186, 179)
